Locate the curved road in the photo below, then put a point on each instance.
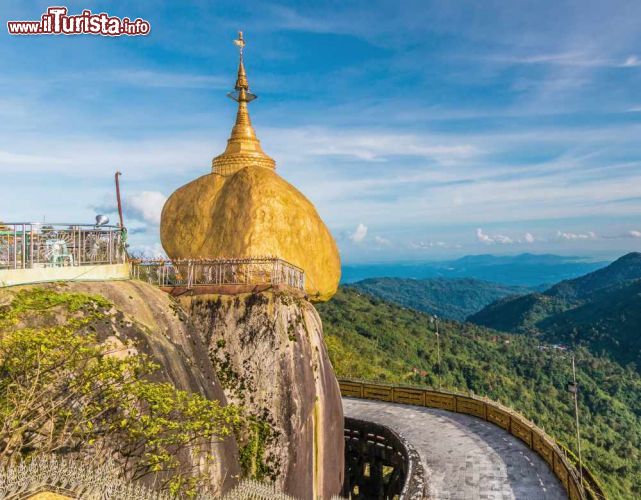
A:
(465, 457)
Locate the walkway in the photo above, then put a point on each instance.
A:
(465, 457)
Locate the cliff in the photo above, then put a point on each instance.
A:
(268, 352)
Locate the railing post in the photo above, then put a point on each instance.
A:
(78, 246)
(15, 248)
(24, 246)
(111, 240)
(31, 246)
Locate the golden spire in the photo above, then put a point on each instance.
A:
(243, 148)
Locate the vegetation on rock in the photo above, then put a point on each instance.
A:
(64, 390)
(371, 339)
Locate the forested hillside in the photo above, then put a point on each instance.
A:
(601, 310)
(448, 298)
(376, 340)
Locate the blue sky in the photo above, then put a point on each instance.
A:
(421, 130)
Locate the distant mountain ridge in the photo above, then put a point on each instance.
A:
(621, 270)
(445, 297)
(521, 270)
(601, 309)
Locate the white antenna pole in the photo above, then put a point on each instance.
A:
(434, 319)
(576, 415)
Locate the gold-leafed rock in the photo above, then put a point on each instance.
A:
(244, 209)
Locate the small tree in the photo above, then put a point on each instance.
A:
(61, 391)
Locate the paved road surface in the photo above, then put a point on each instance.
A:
(465, 457)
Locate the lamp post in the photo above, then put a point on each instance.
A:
(574, 389)
(434, 321)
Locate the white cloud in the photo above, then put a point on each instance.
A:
(633, 233)
(145, 206)
(426, 245)
(421, 245)
(491, 239)
(382, 241)
(481, 236)
(504, 240)
(590, 235)
(144, 251)
(368, 145)
(632, 62)
(147, 78)
(528, 238)
(561, 59)
(577, 59)
(359, 234)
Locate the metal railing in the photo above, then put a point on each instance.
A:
(189, 273)
(27, 245)
(380, 463)
(76, 478)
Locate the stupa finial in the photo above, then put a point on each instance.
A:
(241, 80)
(243, 148)
(241, 92)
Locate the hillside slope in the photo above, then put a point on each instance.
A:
(519, 314)
(600, 309)
(447, 298)
(610, 322)
(623, 269)
(376, 340)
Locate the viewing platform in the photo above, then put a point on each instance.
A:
(225, 276)
(43, 252)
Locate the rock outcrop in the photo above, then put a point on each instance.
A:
(252, 213)
(268, 352)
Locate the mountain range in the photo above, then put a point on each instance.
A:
(526, 269)
(448, 298)
(601, 309)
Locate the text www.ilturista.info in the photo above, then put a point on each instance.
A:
(56, 21)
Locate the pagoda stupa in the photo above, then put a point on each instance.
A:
(244, 210)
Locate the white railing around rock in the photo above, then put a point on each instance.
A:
(189, 273)
(75, 478)
(28, 245)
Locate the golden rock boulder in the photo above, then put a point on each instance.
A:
(244, 209)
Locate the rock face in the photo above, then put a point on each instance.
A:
(252, 213)
(162, 330)
(244, 209)
(268, 351)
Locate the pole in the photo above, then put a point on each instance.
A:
(122, 224)
(438, 349)
(576, 415)
(438, 353)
